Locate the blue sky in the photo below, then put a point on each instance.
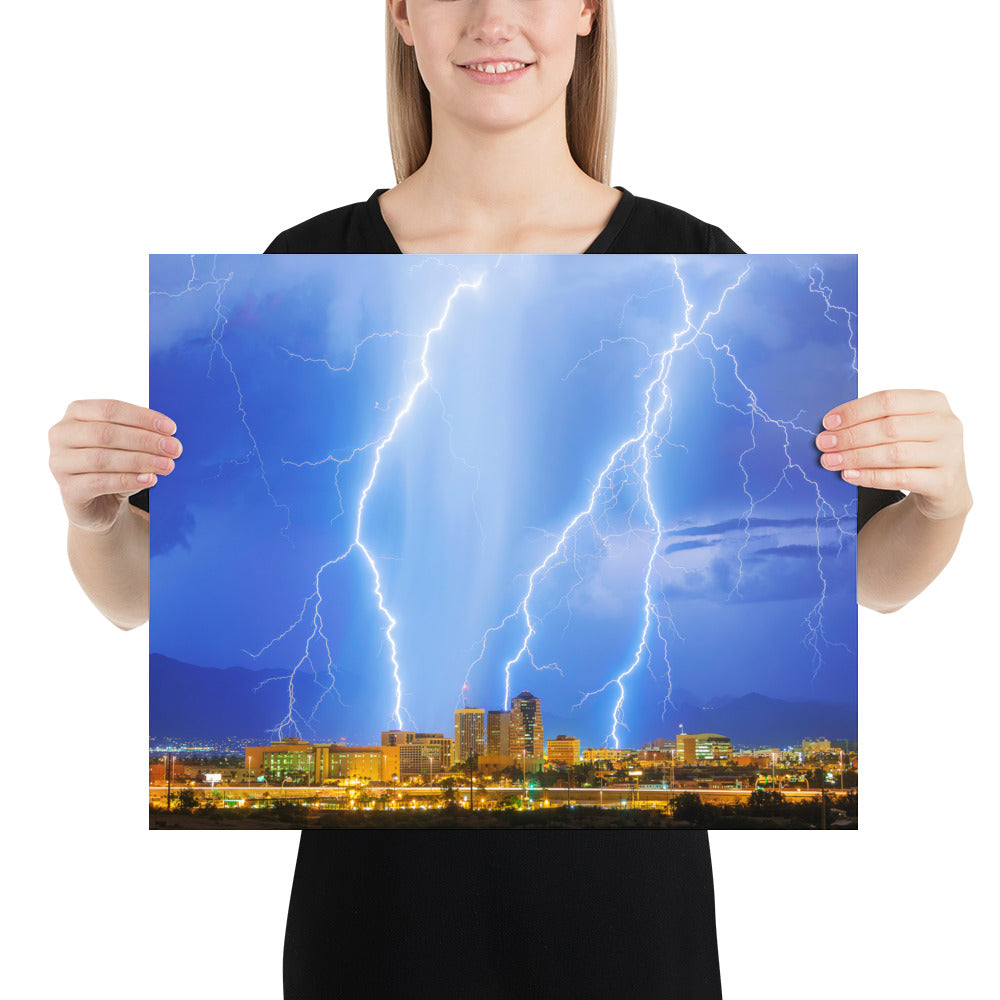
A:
(718, 518)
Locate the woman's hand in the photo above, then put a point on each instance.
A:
(103, 451)
(901, 439)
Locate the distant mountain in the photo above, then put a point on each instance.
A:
(185, 700)
(756, 720)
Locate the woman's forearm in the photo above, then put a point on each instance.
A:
(901, 550)
(113, 567)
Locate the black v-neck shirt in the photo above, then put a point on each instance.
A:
(494, 914)
(637, 225)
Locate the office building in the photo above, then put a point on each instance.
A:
(526, 733)
(470, 733)
(498, 733)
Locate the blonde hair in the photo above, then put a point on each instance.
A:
(590, 100)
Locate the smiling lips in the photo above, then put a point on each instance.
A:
(496, 71)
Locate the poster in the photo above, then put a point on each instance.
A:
(502, 540)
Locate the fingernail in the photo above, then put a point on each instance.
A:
(165, 426)
(833, 421)
(145, 478)
(827, 441)
(162, 464)
(851, 474)
(832, 461)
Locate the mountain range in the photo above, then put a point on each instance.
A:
(184, 702)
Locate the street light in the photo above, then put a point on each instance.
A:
(637, 775)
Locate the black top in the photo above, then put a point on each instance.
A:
(637, 225)
(496, 914)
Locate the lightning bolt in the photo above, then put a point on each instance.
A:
(818, 286)
(630, 464)
(218, 355)
(376, 447)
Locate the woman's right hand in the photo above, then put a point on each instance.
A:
(103, 451)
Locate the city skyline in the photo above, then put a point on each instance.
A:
(493, 736)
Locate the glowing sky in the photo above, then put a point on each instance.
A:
(278, 369)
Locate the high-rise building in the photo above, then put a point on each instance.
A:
(498, 733)
(526, 734)
(470, 735)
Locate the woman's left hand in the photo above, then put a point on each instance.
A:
(900, 439)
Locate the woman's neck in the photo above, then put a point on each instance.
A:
(513, 191)
(499, 175)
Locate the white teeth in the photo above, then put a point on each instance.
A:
(494, 68)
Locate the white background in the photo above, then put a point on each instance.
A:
(209, 127)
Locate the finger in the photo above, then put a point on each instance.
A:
(885, 403)
(99, 434)
(923, 481)
(114, 411)
(898, 455)
(918, 427)
(82, 489)
(77, 461)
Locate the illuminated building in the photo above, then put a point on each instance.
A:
(418, 753)
(334, 760)
(498, 733)
(392, 765)
(703, 748)
(436, 751)
(564, 750)
(811, 745)
(526, 733)
(411, 760)
(397, 737)
(470, 735)
(158, 772)
(609, 755)
(289, 758)
(254, 757)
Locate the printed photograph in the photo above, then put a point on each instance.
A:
(502, 542)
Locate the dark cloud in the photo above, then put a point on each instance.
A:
(682, 546)
(739, 524)
(170, 527)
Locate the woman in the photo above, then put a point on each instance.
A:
(501, 124)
